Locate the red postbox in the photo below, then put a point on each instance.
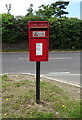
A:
(38, 34)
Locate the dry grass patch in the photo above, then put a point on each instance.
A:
(19, 92)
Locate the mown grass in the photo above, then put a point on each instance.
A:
(15, 50)
(19, 100)
(26, 50)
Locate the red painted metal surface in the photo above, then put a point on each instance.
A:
(38, 34)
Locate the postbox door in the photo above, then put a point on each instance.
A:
(38, 50)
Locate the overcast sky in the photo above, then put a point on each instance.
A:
(19, 6)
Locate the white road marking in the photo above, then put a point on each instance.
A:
(61, 74)
(61, 58)
(23, 58)
(55, 58)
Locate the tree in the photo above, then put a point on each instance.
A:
(30, 10)
(54, 9)
(8, 8)
(44, 11)
(59, 6)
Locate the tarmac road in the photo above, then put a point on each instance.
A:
(64, 66)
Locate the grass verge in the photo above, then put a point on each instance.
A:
(26, 50)
(19, 100)
(15, 50)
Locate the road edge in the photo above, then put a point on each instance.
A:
(28, 51)
(46, 78)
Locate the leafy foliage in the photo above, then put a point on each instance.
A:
(8, 28)
(54, 9)
(64, 32)
(59, 7)
(30, 10)
(0, 26)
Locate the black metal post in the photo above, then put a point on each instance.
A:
(38, 82)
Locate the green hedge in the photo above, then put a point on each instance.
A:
(8, 28)
(64, 32)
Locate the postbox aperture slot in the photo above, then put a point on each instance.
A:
(45, 29)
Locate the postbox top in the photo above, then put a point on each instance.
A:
(38, 24)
